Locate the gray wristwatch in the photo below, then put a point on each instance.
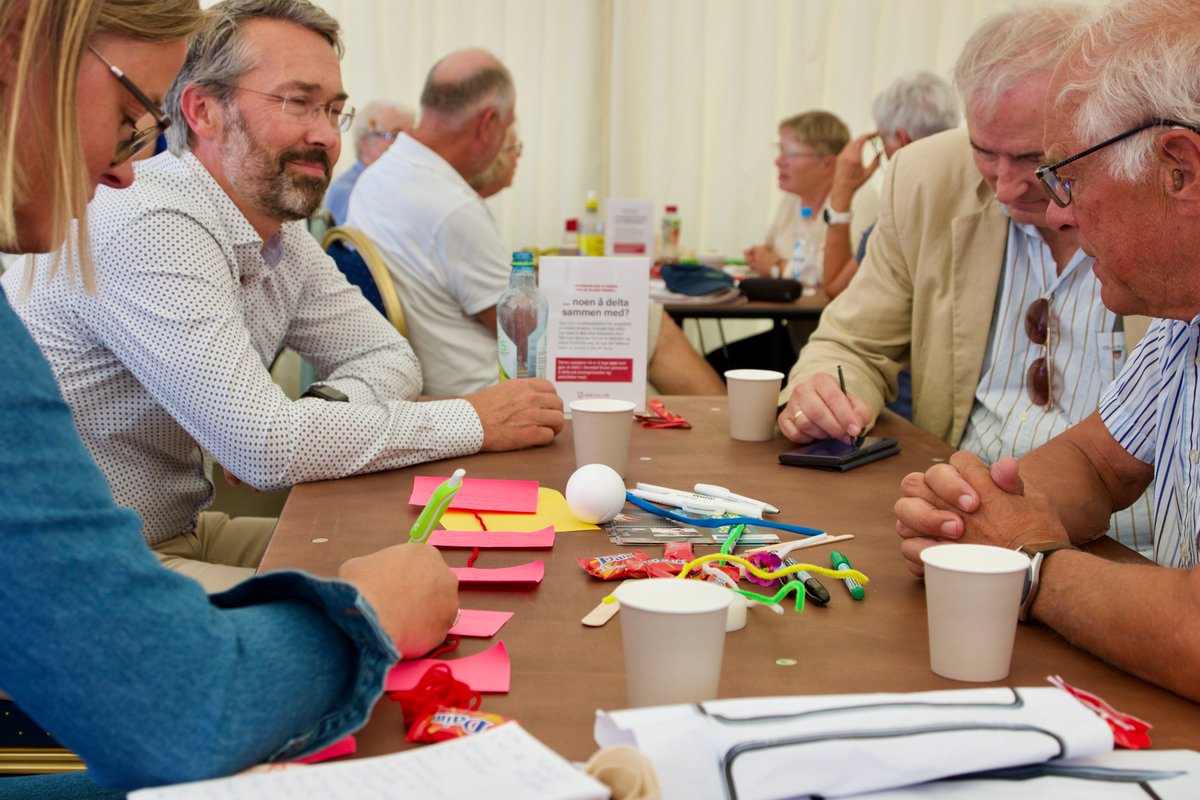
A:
(1037, 553)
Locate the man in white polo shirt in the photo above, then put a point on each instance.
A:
(419, 206)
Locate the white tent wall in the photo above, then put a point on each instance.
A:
(677, 101)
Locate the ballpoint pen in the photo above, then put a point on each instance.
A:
(812, 587)
(706, 504)
(858, 440)
(709, 490)
(439, 501)
(840, 563)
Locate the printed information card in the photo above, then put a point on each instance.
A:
(597, 326)
(630, 228)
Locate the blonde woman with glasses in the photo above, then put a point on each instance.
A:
(132, 666)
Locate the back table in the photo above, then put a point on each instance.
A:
(562, 671)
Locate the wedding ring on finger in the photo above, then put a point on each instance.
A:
(798, 415)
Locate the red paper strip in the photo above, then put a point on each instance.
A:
(489, 671)
(480, 494)
(479, 624)
(523, 573)
(494, 539)
(346, 746)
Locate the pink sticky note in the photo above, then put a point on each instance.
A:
(524, 573)
(346, 746)
(482, 624)
(494, 539)
(481, 494)
(489, 671)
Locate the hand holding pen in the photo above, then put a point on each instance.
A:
(820, 408)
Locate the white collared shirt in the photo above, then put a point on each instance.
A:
(1086, 353)
(171, 354)
(1151, 411)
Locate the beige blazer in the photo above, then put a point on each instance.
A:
(925, 293)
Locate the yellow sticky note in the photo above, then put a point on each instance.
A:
(551, 510)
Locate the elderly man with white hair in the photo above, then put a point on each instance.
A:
(997, 313)
(910, 108)
(1122, 145)
(375, 128)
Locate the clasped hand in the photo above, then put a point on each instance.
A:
(966, 501)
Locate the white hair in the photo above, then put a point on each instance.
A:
(364, 120)
(1139, 62)
(922, 104)
(1010, 46)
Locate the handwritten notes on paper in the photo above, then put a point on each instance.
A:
(505, 763)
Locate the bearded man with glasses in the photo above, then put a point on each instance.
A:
(1122, 146)
(997, 313)
(205, 271)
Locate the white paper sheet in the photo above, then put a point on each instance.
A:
(505, 762)
(838, 745)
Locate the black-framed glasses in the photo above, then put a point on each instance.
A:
(1059, 189)
(131, 146)
(303, 111)
(1037, 378)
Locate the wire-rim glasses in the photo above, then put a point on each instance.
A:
(1059, 189)
(138, 141)
(303, 111)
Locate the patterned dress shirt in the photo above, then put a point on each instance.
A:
(171, 355)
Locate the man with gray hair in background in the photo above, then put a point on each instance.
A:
(1122, 149)
(206, 270)
(376, 126)
(910, 108)
(997, 313)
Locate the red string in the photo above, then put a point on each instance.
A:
(451, 643)
(437, 687)
(475, 553)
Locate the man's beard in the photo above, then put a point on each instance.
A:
(265, 179)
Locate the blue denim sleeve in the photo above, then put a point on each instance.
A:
(132, 666)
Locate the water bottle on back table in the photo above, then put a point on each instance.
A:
(521, 322)
(806, 265)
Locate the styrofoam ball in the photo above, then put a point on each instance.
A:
(595, 493)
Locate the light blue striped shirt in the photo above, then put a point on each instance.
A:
(1085, 353)
(1157, 392)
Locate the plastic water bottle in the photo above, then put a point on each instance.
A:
(670, 234)
(591, 227)
(521, 322)
(806, 261)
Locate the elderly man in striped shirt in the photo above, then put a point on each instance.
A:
(1123, 169)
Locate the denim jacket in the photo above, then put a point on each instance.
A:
(134, 667)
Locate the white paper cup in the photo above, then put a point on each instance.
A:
(972, 596)
(673, 634)
(753, 398)
(601, 428)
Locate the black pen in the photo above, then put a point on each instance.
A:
(858, 440)
(812, 587)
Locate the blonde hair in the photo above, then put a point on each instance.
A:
(825, 133)
(49, 38)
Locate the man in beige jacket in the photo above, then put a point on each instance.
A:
(998, 314)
